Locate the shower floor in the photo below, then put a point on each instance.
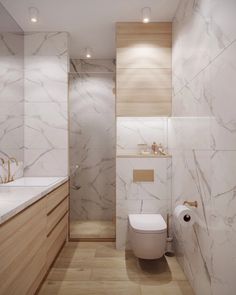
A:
(92, 229)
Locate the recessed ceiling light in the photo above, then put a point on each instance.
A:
(88, 53)
(33, 14)
(146, 14)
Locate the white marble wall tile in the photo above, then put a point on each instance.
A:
(93, 188)
(195, 43)
(127, 189)
(11, 93)
(143, 197)
(11, 78)
(192, 181)
(223, 89)
(92, 65)
(9, 152)
(194, 99)
(133, 131)
(203, 159)
(45, 125)
(202, 29)
(11, 122)
(46, 162)
(92, 141)
(189, 133)
(223, 221)
(46, 44)
(46, 78)
(46, 104)
(91, 97)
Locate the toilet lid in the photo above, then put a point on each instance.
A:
(147, 223)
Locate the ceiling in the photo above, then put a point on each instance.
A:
(91, 23)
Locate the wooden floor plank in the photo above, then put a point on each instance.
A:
(94, 268)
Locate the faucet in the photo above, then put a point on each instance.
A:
(1, 177)
(9, 176)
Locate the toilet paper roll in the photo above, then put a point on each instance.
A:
(184, 215)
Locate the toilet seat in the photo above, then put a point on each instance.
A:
(147, 223)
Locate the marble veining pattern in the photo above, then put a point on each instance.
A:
(11, 88)
(134, 131)
(142, 197)
(46, 104)
(203, 156)
(92, 140)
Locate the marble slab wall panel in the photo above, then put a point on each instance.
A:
(92, 66)
(11, 87)
(92, 140)
(46, 104)
(134, 131)
(143, 197)
(202, 141)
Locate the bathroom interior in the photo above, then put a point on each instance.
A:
(117, 147)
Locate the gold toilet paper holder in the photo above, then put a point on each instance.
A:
(191, 203)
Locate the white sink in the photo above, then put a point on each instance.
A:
(32, 181)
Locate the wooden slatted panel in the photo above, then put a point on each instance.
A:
(145, 94)
(161, 109)
(140, 28)
(143, 69)
(143, 78)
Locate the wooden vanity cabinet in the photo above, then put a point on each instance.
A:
(31, 240)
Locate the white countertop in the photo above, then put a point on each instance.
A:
(21, 193)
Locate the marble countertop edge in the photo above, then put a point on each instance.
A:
(16, 199)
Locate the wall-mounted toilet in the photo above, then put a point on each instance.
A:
(147, 234)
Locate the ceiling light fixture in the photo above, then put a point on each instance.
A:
(33, 14)
(146, 14)
(88, 53)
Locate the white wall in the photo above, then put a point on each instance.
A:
(143, 197)
(202, 141)
(92, 139)
(46, 104)
(11, 87)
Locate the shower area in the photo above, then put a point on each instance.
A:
(92, 149)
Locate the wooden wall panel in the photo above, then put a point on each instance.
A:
(144, 94)
(143, 62)
(143, 78)
(141, 28)
(147, 109)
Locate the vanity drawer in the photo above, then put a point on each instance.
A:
(56, 196)
(22, 249)
(55, 240)
(54, 216)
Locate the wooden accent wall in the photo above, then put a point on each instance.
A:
(143, 69)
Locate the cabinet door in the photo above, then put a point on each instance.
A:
(23, 251)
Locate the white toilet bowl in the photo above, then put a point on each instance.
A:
(148, 234)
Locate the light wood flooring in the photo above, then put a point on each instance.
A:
(92, 229)
(97, 268)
